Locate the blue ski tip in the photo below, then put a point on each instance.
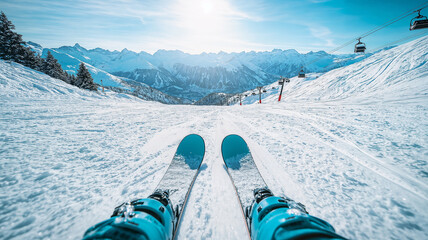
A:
(233, 149)
(192, 149)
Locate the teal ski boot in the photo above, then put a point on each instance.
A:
(272, 217)
(142, 219)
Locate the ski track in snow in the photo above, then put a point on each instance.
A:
(65, 170)
(346, 147)
(314, 158)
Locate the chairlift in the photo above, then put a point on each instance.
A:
(301, 74)
(253, 93)
(264, 90)
(360, 47)
(273, 88)
(246, 95)
(418, 24)
(287, 80)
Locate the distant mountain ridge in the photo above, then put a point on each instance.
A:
(193, 77)
(119, 84)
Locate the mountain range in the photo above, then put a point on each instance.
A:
(186, 78)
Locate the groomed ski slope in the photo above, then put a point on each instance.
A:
(68, 156)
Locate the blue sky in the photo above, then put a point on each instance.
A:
(196, 26)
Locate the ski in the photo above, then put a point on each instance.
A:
(159, 215)
(268, 216)
(242, 171)
(181, 174)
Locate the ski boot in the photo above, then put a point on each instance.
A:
(272, 217)
(142, 219)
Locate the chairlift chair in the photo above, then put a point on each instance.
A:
(264, 90)
(253, 93)
(419, 24)
(287, 80)
(301, 74)
(360, 47)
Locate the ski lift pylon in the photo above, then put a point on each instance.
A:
(418, 22)
(360, 47)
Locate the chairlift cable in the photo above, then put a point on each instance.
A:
(413, 10)
(400, 40)
(378, 48)
(406, 14)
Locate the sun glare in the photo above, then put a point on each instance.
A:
(203, 24)
(207, 6)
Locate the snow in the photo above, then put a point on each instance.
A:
(71, 65)
(18, 82)
(350, 144)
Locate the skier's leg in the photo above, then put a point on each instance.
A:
(272, 217)
(148, 218)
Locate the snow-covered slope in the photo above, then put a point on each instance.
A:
(69, 156)
(398, 73)
(103, 78)
(71, 65)
(19, 82)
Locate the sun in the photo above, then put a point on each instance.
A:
(207, 6)
(202, 24)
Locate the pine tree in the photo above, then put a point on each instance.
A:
(68, 77)
(30, 59)
(6, 34)
(84, 78)
(39, 63)
(18, 48)
(73, 80)
(11, 43)
(12, 47)
(52, 68)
